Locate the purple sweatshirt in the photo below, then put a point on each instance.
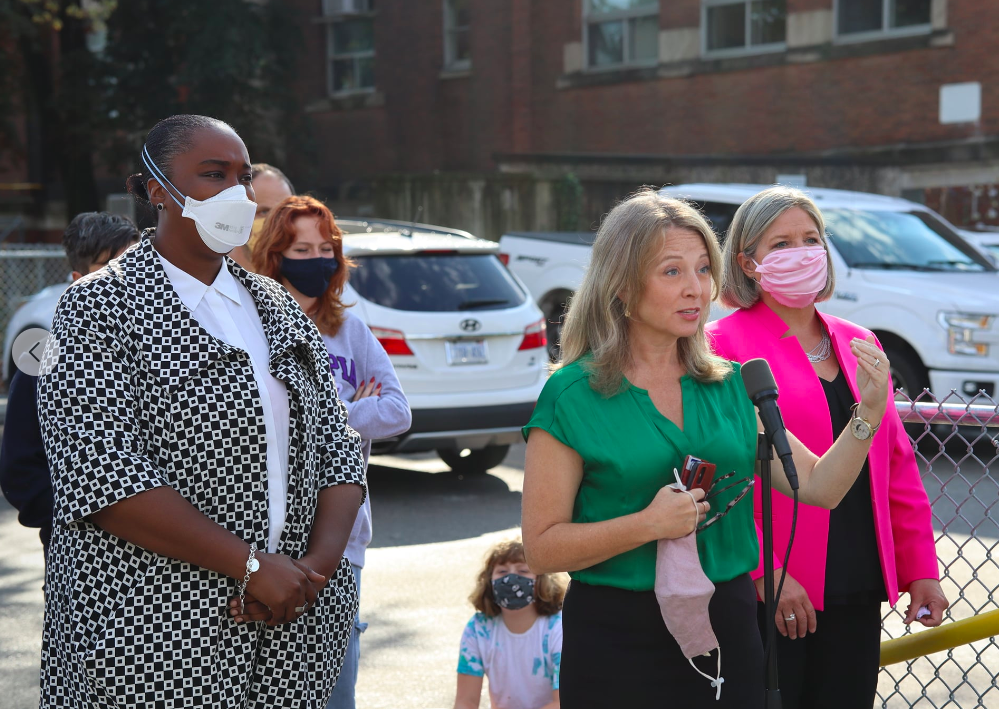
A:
(355, 357)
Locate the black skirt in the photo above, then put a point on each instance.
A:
(616, 651)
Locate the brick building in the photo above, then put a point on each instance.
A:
(538, 114)
(496, 114)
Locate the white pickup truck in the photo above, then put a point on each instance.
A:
(901, 271)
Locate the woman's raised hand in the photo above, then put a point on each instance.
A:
(282, 584)
(673, 514)
(873, 378)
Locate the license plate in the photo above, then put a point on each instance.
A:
(466, 352)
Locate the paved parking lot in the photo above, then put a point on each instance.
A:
(431, 531)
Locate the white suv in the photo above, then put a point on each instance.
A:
(467, 341)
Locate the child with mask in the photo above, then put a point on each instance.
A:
(301, 246)
(515, 638)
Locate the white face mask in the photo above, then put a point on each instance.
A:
(223, 221)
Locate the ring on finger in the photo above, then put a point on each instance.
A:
(877, 361)
(791, 618)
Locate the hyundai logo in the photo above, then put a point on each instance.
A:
(471, 325)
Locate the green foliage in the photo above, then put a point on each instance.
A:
(122, 66)
(568, 202)
(230, 59)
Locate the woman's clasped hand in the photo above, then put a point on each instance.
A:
(277, 589)
(674, 513)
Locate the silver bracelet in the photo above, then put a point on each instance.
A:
(251, 565)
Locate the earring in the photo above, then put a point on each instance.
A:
(627, 312)
(159, 207)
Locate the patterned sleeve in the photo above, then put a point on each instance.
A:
(470, 657)
(86, 409)
(342, 462)
(553, 651)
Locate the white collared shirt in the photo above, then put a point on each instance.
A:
(227, 311)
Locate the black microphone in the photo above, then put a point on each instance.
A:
(762, 390)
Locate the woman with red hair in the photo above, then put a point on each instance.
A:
(301, 247)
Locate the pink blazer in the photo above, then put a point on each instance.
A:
(901, 509)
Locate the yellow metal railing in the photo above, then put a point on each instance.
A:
(945, 637)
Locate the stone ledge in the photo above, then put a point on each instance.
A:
(795, 55)
(347, 102)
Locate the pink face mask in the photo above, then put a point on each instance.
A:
(794, 276)
(684, 593)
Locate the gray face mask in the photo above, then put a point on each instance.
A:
(513, 591)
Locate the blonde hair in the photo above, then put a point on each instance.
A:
(626, 245)
(549, 589)
(750, 222)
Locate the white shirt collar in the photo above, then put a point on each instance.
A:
(192, 291)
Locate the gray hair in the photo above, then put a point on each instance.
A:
(750, 222)
(261, 168)
(92, 235)
(628, 241)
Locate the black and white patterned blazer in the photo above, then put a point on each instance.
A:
(136, 394)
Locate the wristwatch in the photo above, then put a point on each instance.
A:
(861, 428)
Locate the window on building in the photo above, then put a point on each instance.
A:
(457, 54)
(744, 25)
(621, 32)
(866, 17)
(350, 39)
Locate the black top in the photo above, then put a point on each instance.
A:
(24, 470)
(853, 569)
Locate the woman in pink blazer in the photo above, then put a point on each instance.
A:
(878, 542)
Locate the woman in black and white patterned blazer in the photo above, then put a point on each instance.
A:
(198, 452)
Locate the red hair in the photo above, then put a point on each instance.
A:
(277, 236)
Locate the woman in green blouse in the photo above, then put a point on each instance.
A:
(637, 391)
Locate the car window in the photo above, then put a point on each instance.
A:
(899, 240)
(436, 282)
(719, 216)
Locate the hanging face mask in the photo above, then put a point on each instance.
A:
(309, 276)
(794, 276)
(223, 221)
(684, 592)
(513, 592)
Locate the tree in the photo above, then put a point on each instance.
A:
(97, 74)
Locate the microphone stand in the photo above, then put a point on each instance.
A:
(764, 454)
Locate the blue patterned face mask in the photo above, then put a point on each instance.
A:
(513, 591)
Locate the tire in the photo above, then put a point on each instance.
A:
(476, 462)
(907, 372)
(554, 317)
(909, 375)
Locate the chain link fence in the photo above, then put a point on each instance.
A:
(955, 444)
(26, 269)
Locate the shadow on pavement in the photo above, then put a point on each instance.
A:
(413, 507)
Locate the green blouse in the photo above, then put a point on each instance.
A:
(629, 451)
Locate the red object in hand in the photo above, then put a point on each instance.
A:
(697, 473)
